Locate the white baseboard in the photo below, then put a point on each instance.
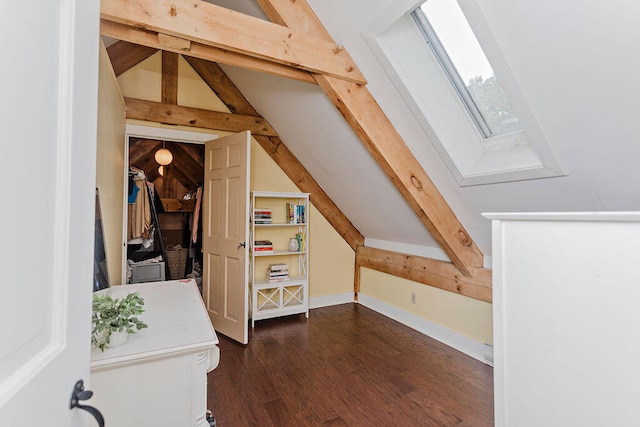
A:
(446, 336)
(327, 300)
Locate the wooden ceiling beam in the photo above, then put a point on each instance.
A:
(287, 12)
(222, 86)
(184, 161)
(195, 117)
(228, 93)
(195, 153)
(385, 144)
(169, 77)
(387, 147)
(440, 274)
(125, 55)
(212, 25)
(141, 37)
(187, 165)
(181, 172)
(142, 149)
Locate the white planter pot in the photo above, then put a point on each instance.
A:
(118, 338)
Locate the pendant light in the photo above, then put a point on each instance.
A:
(161, 170)
(163, 156)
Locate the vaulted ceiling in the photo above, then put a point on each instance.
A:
(187, 165)
(372, 177)
(334, 72)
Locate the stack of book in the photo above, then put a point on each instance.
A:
(262, 216)
(295, 213)
(263, 246)
(277, 273)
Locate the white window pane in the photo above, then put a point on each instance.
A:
(470, 65)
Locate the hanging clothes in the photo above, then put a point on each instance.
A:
(133, 194)
(139, 213)
(196, 216)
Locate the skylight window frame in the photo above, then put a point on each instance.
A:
(450, 70)
(397, 43)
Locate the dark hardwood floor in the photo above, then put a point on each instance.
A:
(346, 366)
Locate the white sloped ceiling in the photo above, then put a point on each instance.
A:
(578, 66)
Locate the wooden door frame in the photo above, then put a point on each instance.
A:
(151, 132)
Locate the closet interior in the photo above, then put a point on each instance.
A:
(165, 182)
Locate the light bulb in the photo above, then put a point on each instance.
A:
(164, 156)
(161, 170)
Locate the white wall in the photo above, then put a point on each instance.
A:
(577, 67)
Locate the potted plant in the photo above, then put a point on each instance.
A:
(114, 319)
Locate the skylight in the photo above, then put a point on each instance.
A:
(433, 54)
(456, 48)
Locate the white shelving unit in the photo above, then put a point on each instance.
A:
(268, 299)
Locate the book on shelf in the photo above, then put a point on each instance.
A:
(263, 246)
(278, 267)
(295, 213)
(277, 274)
(301, 242)
(262, 216)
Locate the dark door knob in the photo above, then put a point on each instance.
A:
(78, 394)
(241, 245)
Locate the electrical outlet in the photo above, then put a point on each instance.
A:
(413, 297)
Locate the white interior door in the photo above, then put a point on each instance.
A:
(225, 224)
(49, 108)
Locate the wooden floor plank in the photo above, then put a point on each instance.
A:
(346, 366)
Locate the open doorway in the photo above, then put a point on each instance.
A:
(225, 218)
(162, 225)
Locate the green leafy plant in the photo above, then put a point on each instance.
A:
(115, 315)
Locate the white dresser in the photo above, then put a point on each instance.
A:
(159, 377)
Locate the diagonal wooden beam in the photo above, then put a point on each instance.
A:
(142, 149)
(169, 77)
(222, 86)
(376, 131)
(440, 274)
(299, 16)
(209, 24)
(141, 37)
(228, 93)
(125, 55)
(387, 147)
(196, 117)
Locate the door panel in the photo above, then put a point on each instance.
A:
(47, 264)
(226, 230)
(233, 306)
(235, 205)
(215, 294)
